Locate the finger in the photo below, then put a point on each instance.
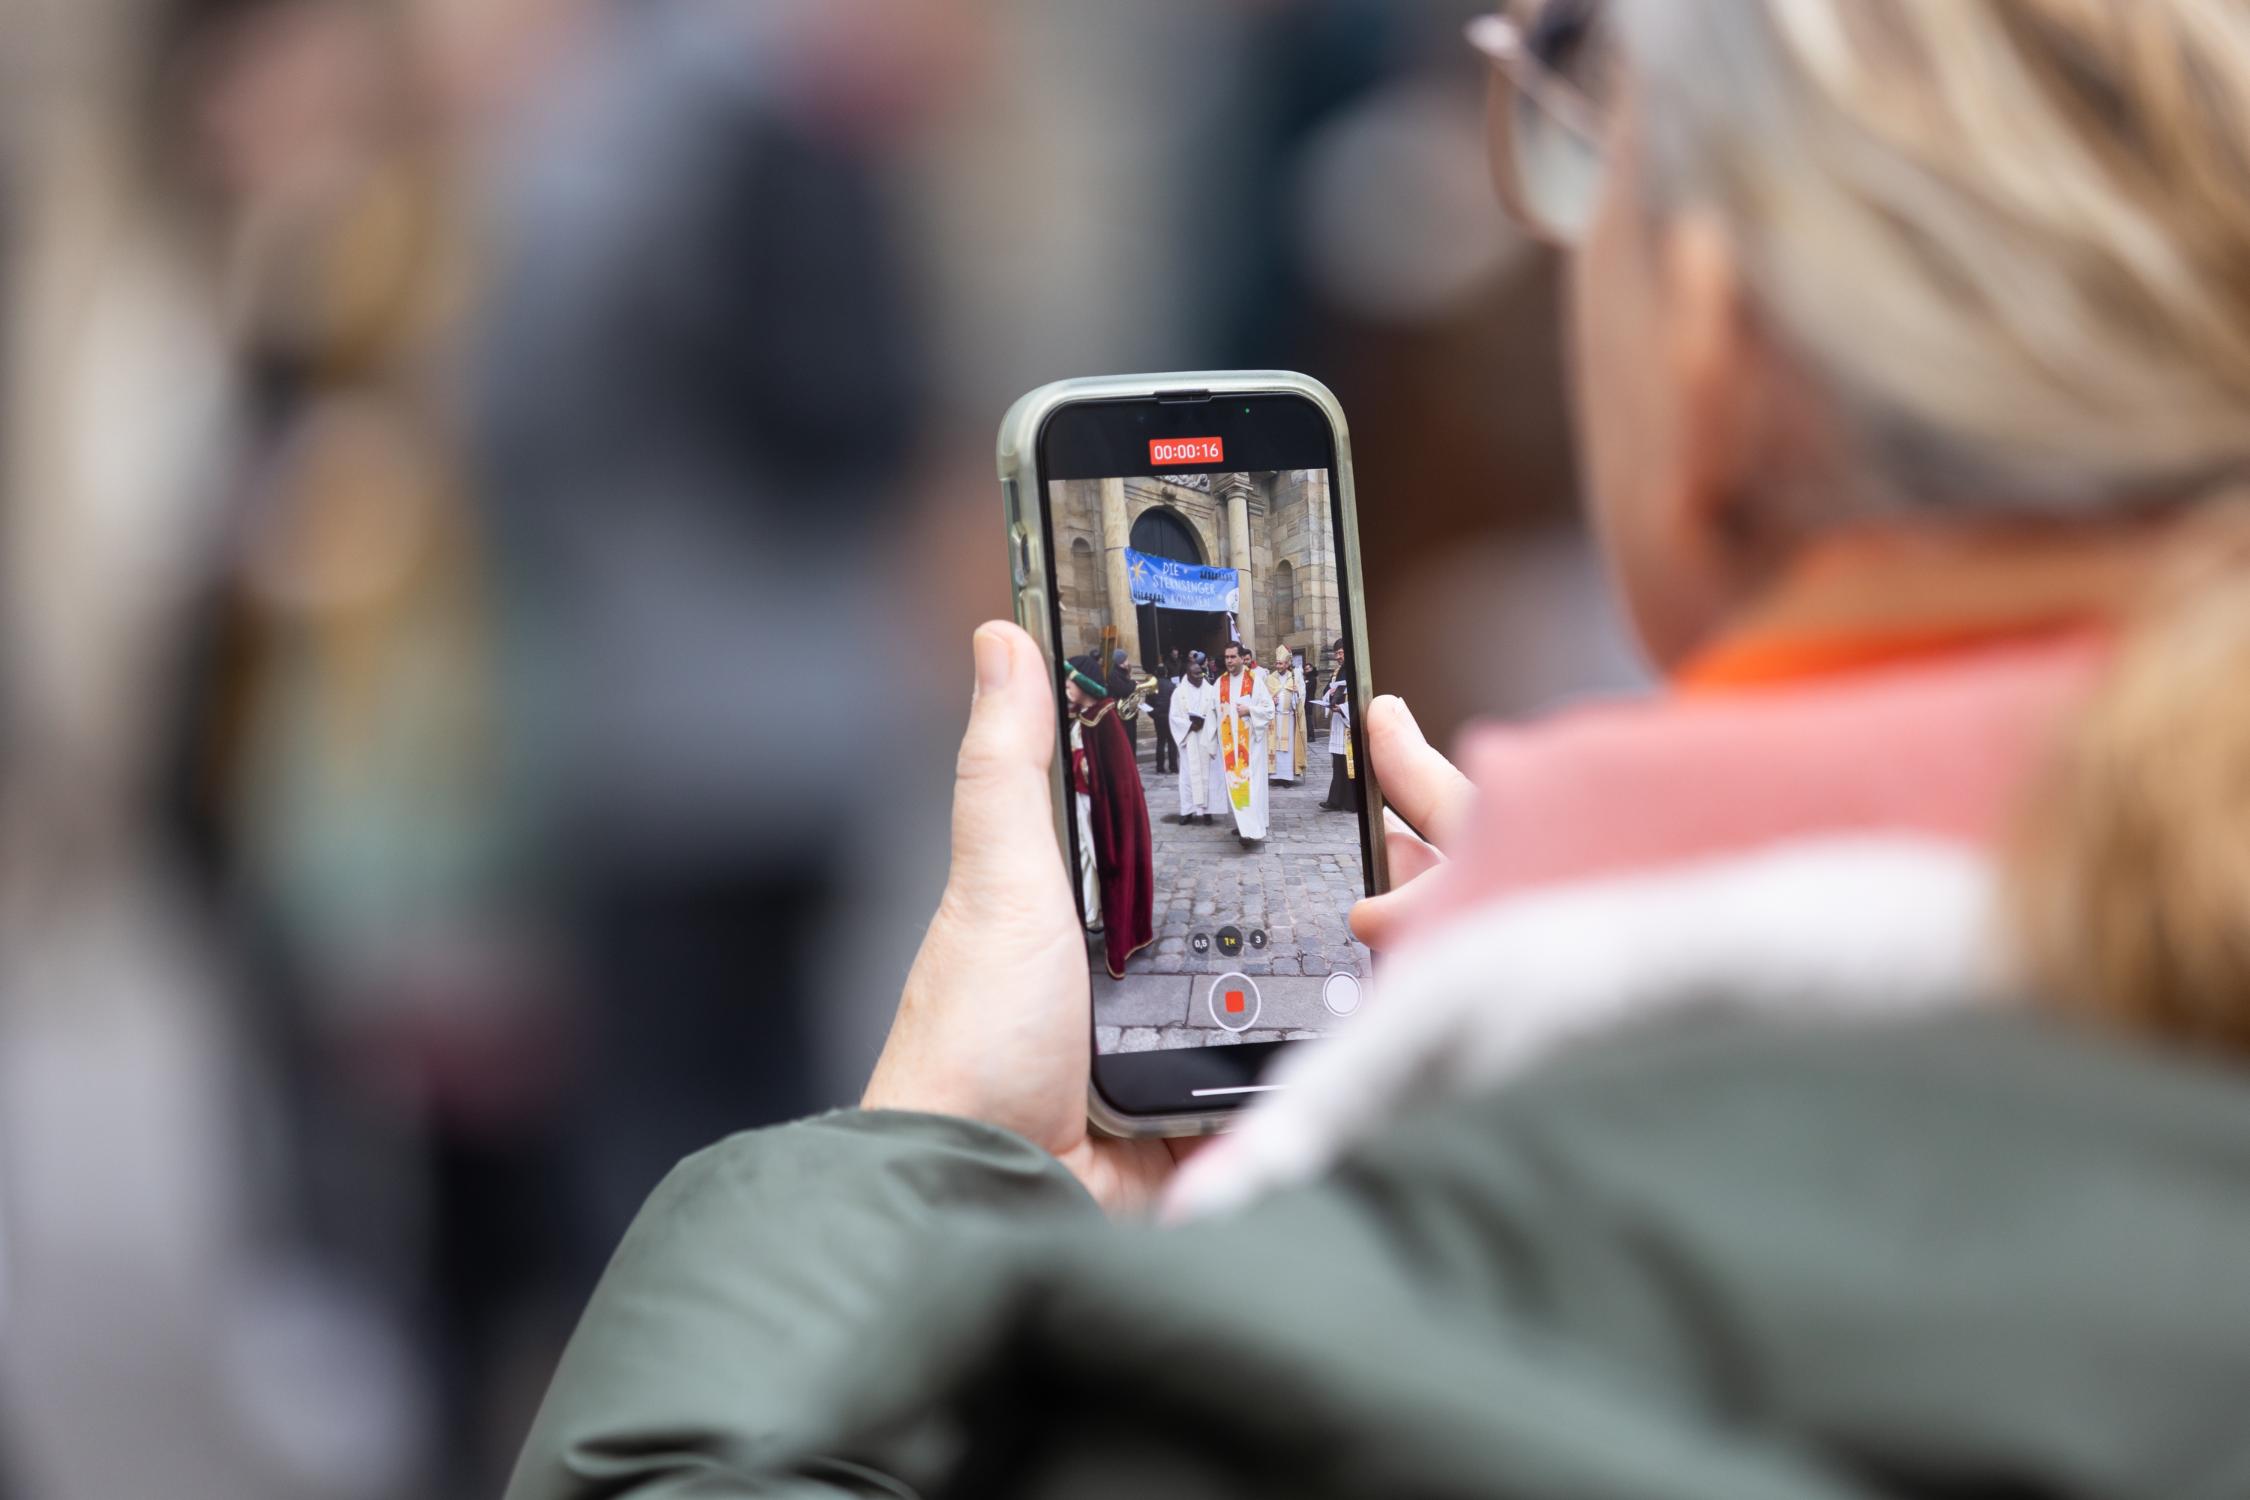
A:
(1001, 816)
(1410, 856)
(1379, 921)
(1185, 1148)
(1425, 787)
(1411, 859)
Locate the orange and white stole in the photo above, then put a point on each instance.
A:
(1234, 739)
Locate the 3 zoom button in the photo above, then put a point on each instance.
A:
(1234, 1002)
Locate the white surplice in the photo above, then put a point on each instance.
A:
(1199, 775)
(1246, 715)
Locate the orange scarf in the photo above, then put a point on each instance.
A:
(1777, 659)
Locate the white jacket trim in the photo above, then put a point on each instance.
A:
(1834, 928)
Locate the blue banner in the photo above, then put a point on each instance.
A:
(1177, 585)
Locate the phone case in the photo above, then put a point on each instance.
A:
(1025, 505)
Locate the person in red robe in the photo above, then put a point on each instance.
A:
(1116, 863)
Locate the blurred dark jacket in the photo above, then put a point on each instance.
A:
(698, 393)
(1981, 1255)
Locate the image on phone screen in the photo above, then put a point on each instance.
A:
(1216, 755)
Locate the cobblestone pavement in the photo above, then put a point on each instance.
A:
(1296, 886)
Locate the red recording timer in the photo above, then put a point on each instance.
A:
(1167, 452)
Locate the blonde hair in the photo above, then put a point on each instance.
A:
(2010, 239)
(2128, 882)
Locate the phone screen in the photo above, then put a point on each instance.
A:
(1217, 815)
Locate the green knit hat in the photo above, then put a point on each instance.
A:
(1086, 672)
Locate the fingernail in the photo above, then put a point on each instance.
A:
(994, 660)
(1397, 705)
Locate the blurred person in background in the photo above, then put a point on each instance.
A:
(341, 780)
(699, 398)
(1911, 354)
(252, 839)
(260, 628)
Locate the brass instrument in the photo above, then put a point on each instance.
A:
(1143, 687)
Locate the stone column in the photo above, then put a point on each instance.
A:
(1235, 490)
(1116, 537)
(1320, 586)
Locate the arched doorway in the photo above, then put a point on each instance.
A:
(1162, 532)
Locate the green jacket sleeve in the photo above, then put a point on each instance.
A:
(754, 1273)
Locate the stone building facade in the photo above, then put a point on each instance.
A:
(1275, 528)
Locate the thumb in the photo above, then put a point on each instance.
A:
(1001, 815)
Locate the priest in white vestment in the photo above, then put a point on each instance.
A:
(1245, 719)
(1195, 729)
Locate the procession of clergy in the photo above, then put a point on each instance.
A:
(1238, 733)
(1235, 735)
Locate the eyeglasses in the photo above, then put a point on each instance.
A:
(1547, 136)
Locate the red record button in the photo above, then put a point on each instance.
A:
(1165, 453)
(1233, 1002)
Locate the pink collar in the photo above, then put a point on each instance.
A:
(1939, 746)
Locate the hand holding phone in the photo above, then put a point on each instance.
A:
(1004, 930)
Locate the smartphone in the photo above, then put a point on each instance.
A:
(1184, 549)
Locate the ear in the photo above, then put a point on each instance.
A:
(1714, 369)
